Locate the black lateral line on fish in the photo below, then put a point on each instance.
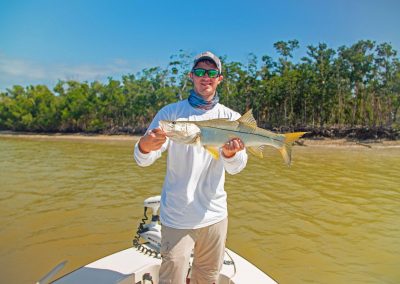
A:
(244, 132)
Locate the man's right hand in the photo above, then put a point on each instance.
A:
(152, 141)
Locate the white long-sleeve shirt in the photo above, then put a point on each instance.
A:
(193, 194)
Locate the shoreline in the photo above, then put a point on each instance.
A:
(69, 136)
(303, 142)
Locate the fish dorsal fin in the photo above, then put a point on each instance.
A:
(214, 151)
(248, 120)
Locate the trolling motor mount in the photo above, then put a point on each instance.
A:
(150, 233)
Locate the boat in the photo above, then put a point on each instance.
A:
(140, 264)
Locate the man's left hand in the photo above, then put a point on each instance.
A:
(231, 147)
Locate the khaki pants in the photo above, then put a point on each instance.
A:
(208, 253)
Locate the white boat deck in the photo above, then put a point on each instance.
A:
(131, 266)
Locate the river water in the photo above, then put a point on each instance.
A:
(333, 217)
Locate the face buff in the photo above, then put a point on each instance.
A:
(197, 101)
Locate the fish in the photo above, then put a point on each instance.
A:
(214, 133)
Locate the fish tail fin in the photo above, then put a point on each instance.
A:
(286, 149)
(292, 137)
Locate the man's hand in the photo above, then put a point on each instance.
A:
(152, 141)
(231, 147)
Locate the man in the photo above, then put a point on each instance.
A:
(193, 208)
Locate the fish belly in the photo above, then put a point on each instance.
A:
(214, 137)
(256, 139)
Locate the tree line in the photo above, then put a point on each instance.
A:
(352, 87)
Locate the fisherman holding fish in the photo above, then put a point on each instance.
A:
(193, 207)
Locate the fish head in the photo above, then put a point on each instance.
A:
(180, 131)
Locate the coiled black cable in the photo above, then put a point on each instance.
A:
(140, 229)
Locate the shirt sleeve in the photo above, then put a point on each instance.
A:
(145, 160)
(236, 163)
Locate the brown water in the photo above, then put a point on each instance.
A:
(333, 217)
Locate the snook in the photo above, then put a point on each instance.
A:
(212, 134)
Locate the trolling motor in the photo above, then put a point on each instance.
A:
(150, 233)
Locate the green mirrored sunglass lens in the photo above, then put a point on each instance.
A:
(212, 73)
(199, 72)
(202, 72)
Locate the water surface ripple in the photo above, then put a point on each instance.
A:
(333, 217)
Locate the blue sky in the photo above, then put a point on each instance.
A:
(42, 41)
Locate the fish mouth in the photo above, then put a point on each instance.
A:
(169, 134)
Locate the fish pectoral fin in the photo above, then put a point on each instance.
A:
(214, 151)
(248, 120)
(256, 151)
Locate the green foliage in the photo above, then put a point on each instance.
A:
(351, 86)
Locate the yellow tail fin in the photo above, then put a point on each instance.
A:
(286, 150)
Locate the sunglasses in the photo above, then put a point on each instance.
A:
(200, 72)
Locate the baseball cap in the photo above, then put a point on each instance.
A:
(208, 55)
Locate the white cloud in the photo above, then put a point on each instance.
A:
(17, 71)
(11, 67)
